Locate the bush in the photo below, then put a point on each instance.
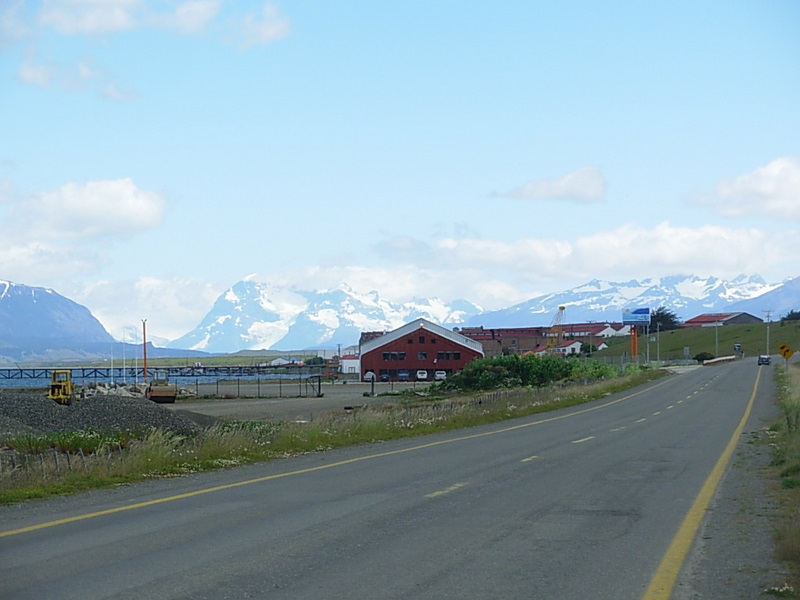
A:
(703, 356)
(527, 370)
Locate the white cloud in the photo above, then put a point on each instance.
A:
(77, 77)
(95, 210)
(36, 73)
(172, 306)
(89, 16)
(625, 252)
(585, 185)
(264, 28)
(190, 16)
(771, 191)
(12, 26)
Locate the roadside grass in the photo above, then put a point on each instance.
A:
(786, 462)
(73, 462)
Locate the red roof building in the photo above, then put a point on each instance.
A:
(718, 319)
(417, 346)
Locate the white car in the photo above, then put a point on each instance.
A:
(422, 375)
(440, 375)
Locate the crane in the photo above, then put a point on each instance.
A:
(554, 339)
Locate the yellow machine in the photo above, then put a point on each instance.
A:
(556, 329)
(160, 389)
(62, 390)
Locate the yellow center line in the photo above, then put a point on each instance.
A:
(218, 488)
(663, 581)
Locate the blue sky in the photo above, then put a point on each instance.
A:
(155, 152)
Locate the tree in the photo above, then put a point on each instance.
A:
(792, 315)
(665, 318)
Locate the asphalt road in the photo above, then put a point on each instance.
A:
(576, 504)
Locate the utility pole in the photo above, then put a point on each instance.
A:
(144, 350)
(769, 315)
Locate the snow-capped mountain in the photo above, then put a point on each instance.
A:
(254, 315)
(686, 296)
(37, 323)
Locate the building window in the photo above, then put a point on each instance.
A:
(456, 355)
(433, 340)
(385, 356)
(440, 355)
(410, 341)
(422, 356)
(401, 355)
(422, 339)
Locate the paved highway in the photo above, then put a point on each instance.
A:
(600, 501)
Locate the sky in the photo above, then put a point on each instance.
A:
(153, 153)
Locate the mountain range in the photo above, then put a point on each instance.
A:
(257, 315)
(37, 324)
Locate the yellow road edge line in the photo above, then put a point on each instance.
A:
(663, 580)
(218, 488)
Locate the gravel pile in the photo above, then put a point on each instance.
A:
(31, 411)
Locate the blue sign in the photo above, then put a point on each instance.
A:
(636, 316)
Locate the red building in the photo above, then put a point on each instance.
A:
(417, 346)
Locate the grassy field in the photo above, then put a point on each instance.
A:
(786, 471)
(718, 341)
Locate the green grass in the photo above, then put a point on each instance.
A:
(123, 458)
(785, 441)
(752, 337)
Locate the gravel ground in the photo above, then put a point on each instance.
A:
(31, 411)
(733, 554)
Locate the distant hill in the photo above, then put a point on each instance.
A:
(39, 325)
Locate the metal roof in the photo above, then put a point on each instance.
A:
(421, 324)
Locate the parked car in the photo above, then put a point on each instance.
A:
(440, 376)
(764, 359)
(422, 375)
(384, 377)
(402, 375)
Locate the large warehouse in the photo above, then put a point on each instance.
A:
(417, 346)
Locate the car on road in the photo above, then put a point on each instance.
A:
(764, 359)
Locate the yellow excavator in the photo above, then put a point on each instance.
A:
(62, 389)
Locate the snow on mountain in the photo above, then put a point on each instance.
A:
(686, 296)
(37, 323)
(254, 315)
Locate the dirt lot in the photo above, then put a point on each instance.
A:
(247, 407)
